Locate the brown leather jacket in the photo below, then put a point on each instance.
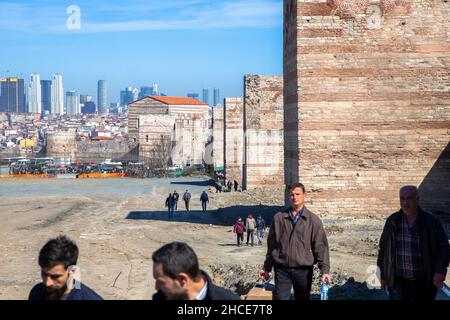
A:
(299, 245)
(434, 247)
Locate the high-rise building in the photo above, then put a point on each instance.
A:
(102, 96)
(205, 98)
(46, 96)
(216, 98)
(193, 95)
(34, 94)
(155, 89)
(73, 103)
(88, 107)
(85, 98)
(145, 92)
(12, 97)
(57, 94)
(129, 95)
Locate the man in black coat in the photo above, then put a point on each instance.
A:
(178, 276)
(58, 259)
(414, 251)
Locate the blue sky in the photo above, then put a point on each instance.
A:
(183, 45)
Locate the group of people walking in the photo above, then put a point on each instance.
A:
(413, 257)
(250, 226)
(172, 201)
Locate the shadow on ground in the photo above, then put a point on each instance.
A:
(222, 217)
(353, 290)
(195, 183)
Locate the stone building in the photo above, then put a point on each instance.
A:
(63, 144)
(367, 102)
(217, 136)
(153, 119)
(263, 132)
(233, 138)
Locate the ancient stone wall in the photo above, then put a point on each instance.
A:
(156, 135)
(367, 102)
(190, 137)
(234, 138)
(61, 144)
(64, 145)
(218, 135)
(263, 128)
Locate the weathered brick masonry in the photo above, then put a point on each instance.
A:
(234, 138)
(367, 102)
(263, 127)
(218, 135)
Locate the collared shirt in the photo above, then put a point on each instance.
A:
(408, 250)
(299, 214)
(202, 294)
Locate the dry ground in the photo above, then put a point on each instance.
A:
(118, 230)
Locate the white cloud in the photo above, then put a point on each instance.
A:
(148, 15)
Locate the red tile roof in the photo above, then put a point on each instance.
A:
(100, 138)
(178, 100)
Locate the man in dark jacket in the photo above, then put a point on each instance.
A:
(204, 199)
(58, 259)
(170, 204)
(413, 252)
(178, 276)
(260, 228)
(176, 197)
(296, 242)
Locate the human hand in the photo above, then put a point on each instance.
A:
(263, 275)
(438, 280)
(326, 277)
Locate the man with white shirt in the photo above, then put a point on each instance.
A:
(178, 276)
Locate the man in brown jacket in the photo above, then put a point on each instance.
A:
(414, 251)
(296, 242)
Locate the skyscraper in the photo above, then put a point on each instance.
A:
(12, 97)
(128, 96)
(85, 98)
(145, 92)
(88, 107)
(205, 97)
(34, 95)
(73, 103)
(193, 95)
(155, 89)
(57, 94)
(216, 98)
(102, 96)
(46, 96)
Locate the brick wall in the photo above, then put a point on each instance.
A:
(234, 138)
(263, 127)
(64, 145)
(367, 103)
(218, 135)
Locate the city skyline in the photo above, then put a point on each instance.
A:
(181, 45)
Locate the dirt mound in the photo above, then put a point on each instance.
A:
(237, 278)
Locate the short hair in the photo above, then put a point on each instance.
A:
(61, 250)
(296, 185)
(410, 187)
(177, 257)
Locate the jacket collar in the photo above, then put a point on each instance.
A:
(397, 216)
(287, 213)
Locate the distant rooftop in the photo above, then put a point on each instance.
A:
(178, 100)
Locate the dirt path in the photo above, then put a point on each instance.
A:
(117, 233)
